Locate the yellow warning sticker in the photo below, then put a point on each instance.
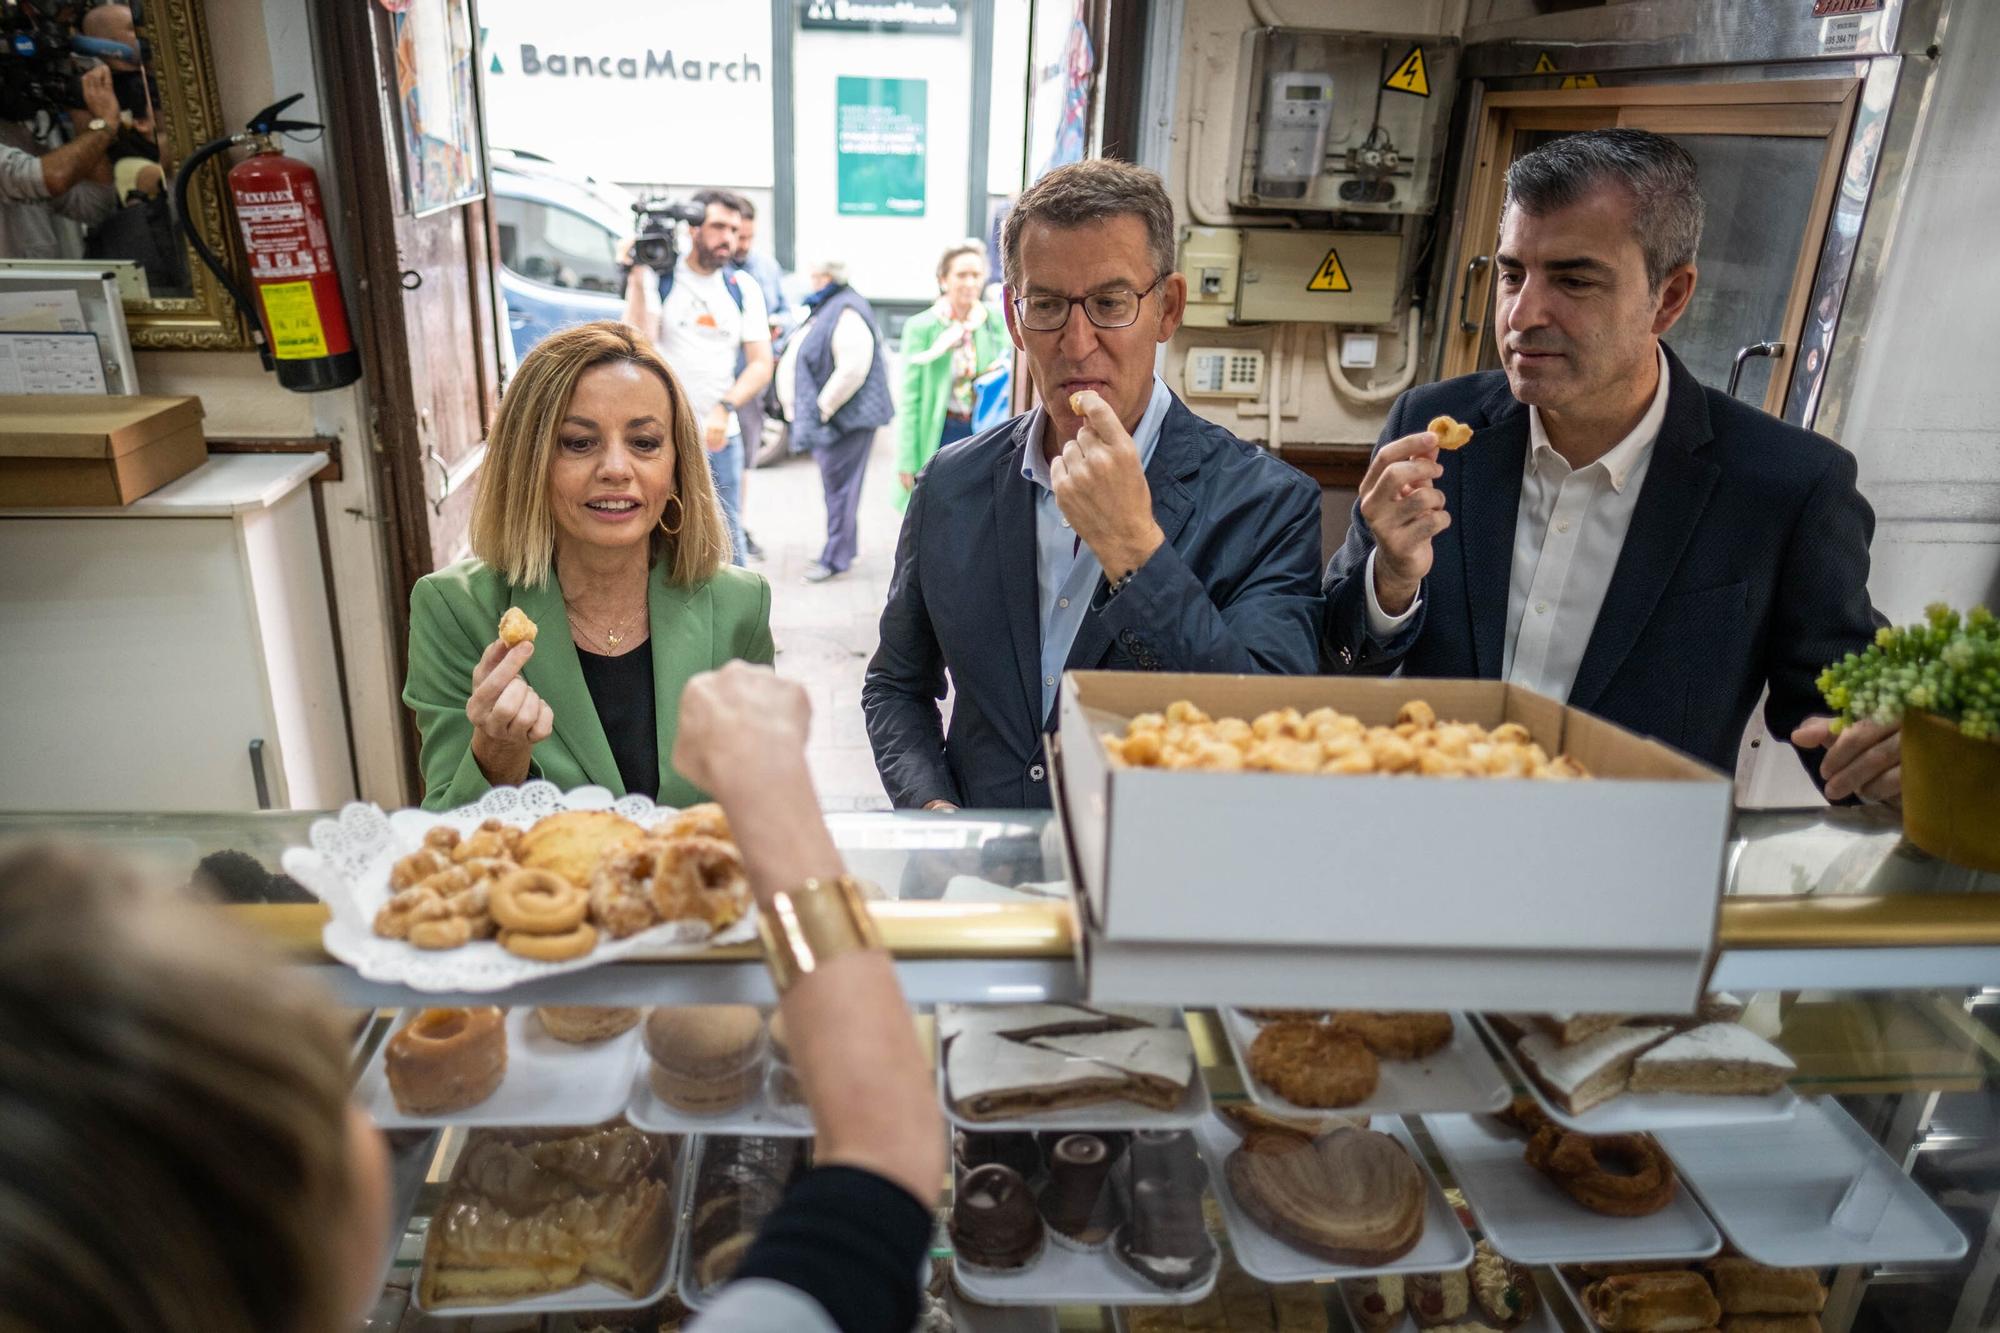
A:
(1544, 65)
(1411, 76)
(296, 334)
(1579, 81)
(1330, 277)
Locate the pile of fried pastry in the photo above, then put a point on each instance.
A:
(528, 1212)
(551, 891)
(1327, 740)
(1730, 1293)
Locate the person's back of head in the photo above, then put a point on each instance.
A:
(176, 1148)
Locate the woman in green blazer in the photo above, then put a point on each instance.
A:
(945, 349)
(598, 520)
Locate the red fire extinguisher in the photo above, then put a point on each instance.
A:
(299, 317)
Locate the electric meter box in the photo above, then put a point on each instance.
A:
(1318, 277)
(1341, 122)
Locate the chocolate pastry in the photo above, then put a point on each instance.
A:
(1075, 1204)
(738, 1185)
(994, 1225)
(1019, 1151)
(1163, 1238)
(1115, 1141)
(1353, 1196)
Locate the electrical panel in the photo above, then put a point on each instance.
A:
(1209, 258)
(1223, 372)
(1318, 277)
(1341, 122)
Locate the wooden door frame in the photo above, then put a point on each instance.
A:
(361, 114)
(1810, 108)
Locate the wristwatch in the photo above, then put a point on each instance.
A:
(100, 123)
(820, 920)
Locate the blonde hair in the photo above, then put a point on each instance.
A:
(176, 1152)
(971, 245)
(512, 527)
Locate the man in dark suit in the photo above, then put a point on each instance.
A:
(1614, 534)
(1108, 528)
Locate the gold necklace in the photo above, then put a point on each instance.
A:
(612, 637)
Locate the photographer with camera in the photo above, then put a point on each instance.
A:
(701, 315)
(71, 180)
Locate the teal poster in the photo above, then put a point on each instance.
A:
(879, 138)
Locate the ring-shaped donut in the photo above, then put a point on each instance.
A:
(539, 902)
(551, 948)
(1619, 1175)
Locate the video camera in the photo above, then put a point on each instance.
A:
(655, 246)
(43, 56)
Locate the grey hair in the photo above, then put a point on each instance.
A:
(1656, 172)
(833, 268)
(1091, 191)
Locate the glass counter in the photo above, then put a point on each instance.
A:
(1876, 967)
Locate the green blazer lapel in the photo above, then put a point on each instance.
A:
(683, 624)
(557, 675)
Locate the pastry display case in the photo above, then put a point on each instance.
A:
(1865, 1180)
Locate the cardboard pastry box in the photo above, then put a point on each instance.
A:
(1389, 892)
(78, 449)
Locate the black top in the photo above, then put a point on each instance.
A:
(621, 688)
(852, 1241)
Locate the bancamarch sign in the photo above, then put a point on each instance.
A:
(653, 64)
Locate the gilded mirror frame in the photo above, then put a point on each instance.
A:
(190, 115)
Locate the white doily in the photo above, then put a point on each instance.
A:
(348, 866)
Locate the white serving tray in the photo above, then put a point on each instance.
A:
(969, 1318)
(1647, 1112)
(1531, 1221)
(1194, 1105)
(1542, 1321)
(1461, 1077)
(760, 1116)
(1815, 1192)
(1443, 1244)
(594, 1295)
(548, 1082)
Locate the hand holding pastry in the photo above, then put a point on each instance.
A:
(508, 718)
(1403, 511)
(1100, 485)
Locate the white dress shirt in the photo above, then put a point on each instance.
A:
(1568, 532)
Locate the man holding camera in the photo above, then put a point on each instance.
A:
(71, 180)
(701, 316)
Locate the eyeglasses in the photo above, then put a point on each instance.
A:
(1114, 309)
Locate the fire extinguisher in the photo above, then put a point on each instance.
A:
(298, 319)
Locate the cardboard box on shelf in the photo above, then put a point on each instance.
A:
(1388, 891)
(71, 450)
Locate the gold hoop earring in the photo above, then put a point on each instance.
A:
(680, 517)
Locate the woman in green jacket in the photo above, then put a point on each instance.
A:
(945, 349)
(598, 520)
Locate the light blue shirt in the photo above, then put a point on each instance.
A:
(1066, 571)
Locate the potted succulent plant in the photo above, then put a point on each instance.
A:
(1941, 679)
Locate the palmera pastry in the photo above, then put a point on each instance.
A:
(1352, 1196)
(1395, 1036)
(1309, 1064)
(1619, 1175)
(1450, 434)
(446, 1060)
(515, 627)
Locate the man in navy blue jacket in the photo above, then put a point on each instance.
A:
(1108, 528)
(1614, 534)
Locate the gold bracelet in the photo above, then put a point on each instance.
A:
(804, 928)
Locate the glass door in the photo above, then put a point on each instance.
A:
(1769, 156)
